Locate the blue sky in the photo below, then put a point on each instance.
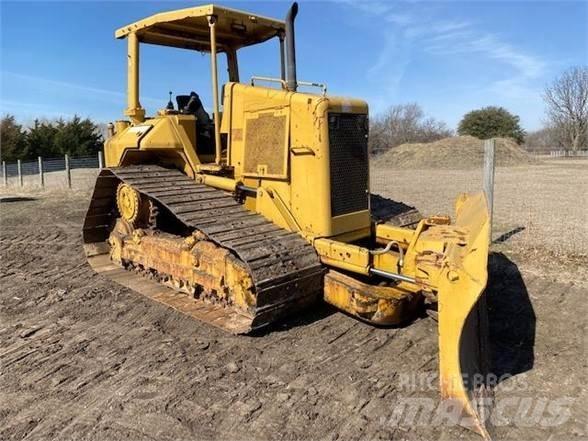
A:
(61, 58)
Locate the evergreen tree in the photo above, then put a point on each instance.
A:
(491, 122)
(12, 139)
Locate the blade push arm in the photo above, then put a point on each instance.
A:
(438, 261)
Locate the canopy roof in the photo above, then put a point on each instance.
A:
(188, 28)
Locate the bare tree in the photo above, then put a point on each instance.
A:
(545, 139)
(404, 123)
(567, 106)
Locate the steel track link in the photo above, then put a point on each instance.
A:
(286, 270)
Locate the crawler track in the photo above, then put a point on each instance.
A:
(285, 269)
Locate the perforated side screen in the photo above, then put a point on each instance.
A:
(349, 163)
(265, 138)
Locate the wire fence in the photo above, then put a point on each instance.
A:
(558, 152)
(568, 153)
(537, 206)
(70, 172)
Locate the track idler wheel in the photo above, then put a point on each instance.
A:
(128, 202)
(138, 210)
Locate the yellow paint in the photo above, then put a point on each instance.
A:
(293, 182)
(127, 202)
(284, 210)
(460, 285)
(386, 232)
(343, 255)
(383, 305)
(193, 265)
(188, 28)
(219, 182)
(134, 109)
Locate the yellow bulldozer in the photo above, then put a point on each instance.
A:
(249, 216)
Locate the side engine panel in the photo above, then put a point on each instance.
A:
(314, 176)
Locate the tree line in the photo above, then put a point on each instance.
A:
(75, 137)
(565, 124)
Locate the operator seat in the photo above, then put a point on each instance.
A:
(192, 105)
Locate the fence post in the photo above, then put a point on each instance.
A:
(19, 171)
(100, 160)
(489, 163)
(4, 173)
(67, 171)
(41, 173)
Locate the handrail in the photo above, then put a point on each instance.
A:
(269, 80)
(284, 84)
(311, 84)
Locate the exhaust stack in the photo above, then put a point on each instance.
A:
(291, 48)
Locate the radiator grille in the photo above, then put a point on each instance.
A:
(349, 163)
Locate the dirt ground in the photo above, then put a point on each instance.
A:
(454, 153)
(543, 207)
(83, 358)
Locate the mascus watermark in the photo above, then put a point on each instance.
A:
(520, 411)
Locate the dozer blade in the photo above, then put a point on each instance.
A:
(462, 324)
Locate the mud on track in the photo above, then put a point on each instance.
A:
(82, 358)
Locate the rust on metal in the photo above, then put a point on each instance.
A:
(382, 305)
(219, 253)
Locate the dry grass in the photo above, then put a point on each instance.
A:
(85, 358)
(457, 152)
(80, 179)
(549, 200)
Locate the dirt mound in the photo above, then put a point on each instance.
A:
(456, 152)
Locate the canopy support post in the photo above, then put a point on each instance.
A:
(134, 110)
(214, 73)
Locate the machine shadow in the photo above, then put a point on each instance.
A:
(506, 236)
(511, 319)
(510, 316)
(5, 199)
(314, 313)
